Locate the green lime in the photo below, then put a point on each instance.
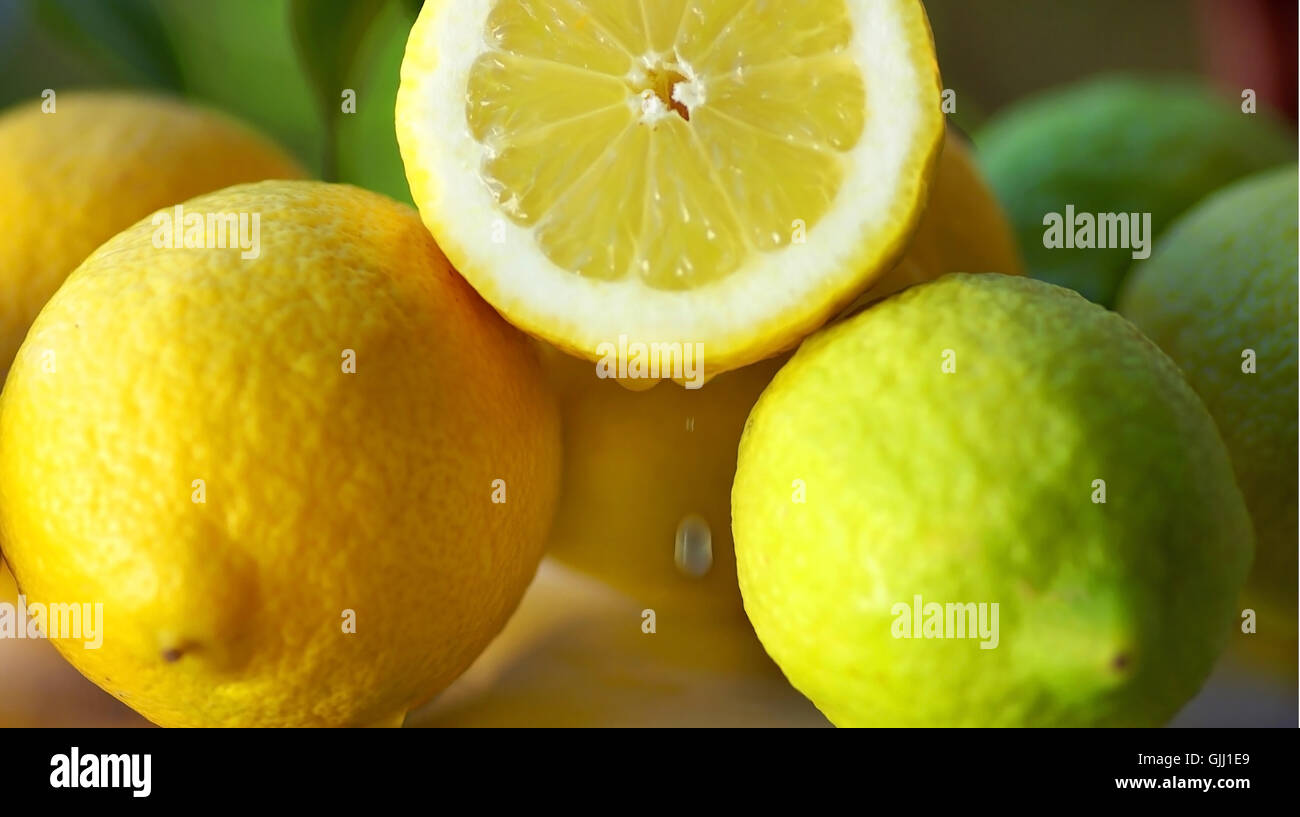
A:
(1219, 296)
(1118, 145)
(988, 502)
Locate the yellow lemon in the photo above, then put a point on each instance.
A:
(677, 172)
(644, 503)
(308, 484)
(80, 168)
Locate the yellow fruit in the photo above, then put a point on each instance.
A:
(675, 172)
(235, 456)
(575, 654)
(976, 441)
(73, 178)
(642, 468)
(644, 500)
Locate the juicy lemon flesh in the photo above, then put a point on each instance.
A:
(665, 141)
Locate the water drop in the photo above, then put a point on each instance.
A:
(693, 549)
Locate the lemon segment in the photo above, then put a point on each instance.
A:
(679, 172)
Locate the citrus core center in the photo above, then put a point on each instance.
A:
(663, 83)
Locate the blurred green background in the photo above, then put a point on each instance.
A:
(282, 64)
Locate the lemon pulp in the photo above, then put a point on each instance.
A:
(688, 145)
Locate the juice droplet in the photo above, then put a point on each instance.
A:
(693, 550)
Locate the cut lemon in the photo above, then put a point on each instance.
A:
(676, 172)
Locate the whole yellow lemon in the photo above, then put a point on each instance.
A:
(308, 483)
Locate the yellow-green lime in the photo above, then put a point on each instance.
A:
(1219, 296)
(977, 441)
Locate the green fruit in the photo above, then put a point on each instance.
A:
(948, 443)
(1118, 145)
(1221, 283)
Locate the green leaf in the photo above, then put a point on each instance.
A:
(126, 34)
(328, 35)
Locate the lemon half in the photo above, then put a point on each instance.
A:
(730, 173)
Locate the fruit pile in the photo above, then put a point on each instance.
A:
(306, 447)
